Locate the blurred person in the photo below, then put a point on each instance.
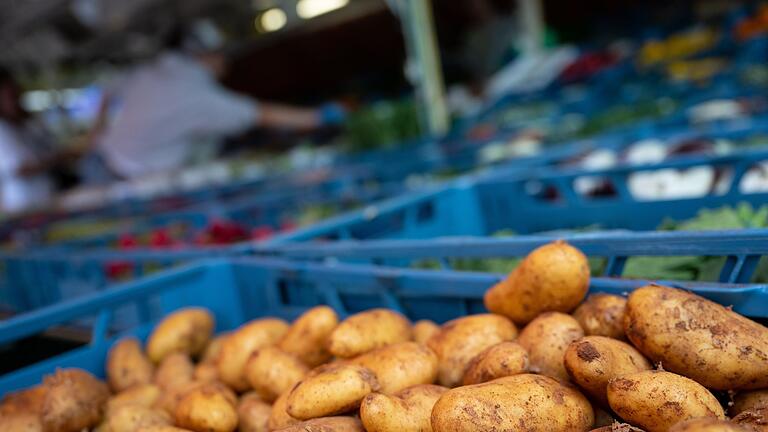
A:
(26, 154)
(174, 107)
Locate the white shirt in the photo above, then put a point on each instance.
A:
(167, 108)
(17, 192)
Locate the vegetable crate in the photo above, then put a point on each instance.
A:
(240, 289)
(487, 203)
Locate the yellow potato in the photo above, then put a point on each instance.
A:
(617, 427)
(754, 420)
(327, 424)
(602, 315)
(170, 399)
(20, 422)
(186, 331)
(176, 369)
(367, 331)
(212, 350)
(207, 408)
(592, 361)
(748, 400)
(554, 277)
(423, 330)
(460, 340)
(409, 410)
(74, 400)
(533, 403)
(253, 413)
(161, 429)
(657, 400)
(206, 371)
(399, 366)
(272, 372)
(697, 338)
(336, 390)
(307, 338)
(128, 418)
(127, 365)
(238, 346)
(145, 395)
(27, 401)
(279, 417)
(546, 338)
(496, 361)
(707, 424)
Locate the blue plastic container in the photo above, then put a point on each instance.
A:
(243, 289)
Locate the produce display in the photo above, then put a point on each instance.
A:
(547, 357)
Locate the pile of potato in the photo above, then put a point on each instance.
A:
(647, 362)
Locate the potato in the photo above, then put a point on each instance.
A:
(170, 399)
(205, 372)
(212, 350)
(238, 346)
(754, 420)
(128, 418)
(602, 315)
(460, 340)
(698, 338)
(279, 417)
(74, 400)
(127, 365)
(496, 361)
(367, 331)
(707, 424)
(145, 395)
(592, 361)
(423, 330)
(271, 372)
(617, 427)
(519, 402)
(554, 277)
(409, 410)
(20, 422)
(546, 338)
(27, 401)
(253, 413)
(657, 400)
(208, 408)
(186, 331)
(176, 369)
(336, 390)
(307, 338)
(327, 424)
(161, 429)
(748, 400)
(400, 365)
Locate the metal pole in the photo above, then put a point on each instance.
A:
(419, 30)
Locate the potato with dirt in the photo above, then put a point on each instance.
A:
(327, 424)
(129, 418)
(497, 361)
(697, 338)
(754, 420)
(238, 346)
(657, 400)
(460, 340)
(186, 331)
(534, 403)
(74, 400)
(602, 315)
(707, 424)
(334, 391)
(271, 372)
(399, 366)
(367, 331)
(127, 365)
(546, 339)
(593, 361)
(307, 338)
(409, 410)
(748, 400)
(552, 278)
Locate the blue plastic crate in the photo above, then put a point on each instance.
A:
(243, 289)
(486, 203)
